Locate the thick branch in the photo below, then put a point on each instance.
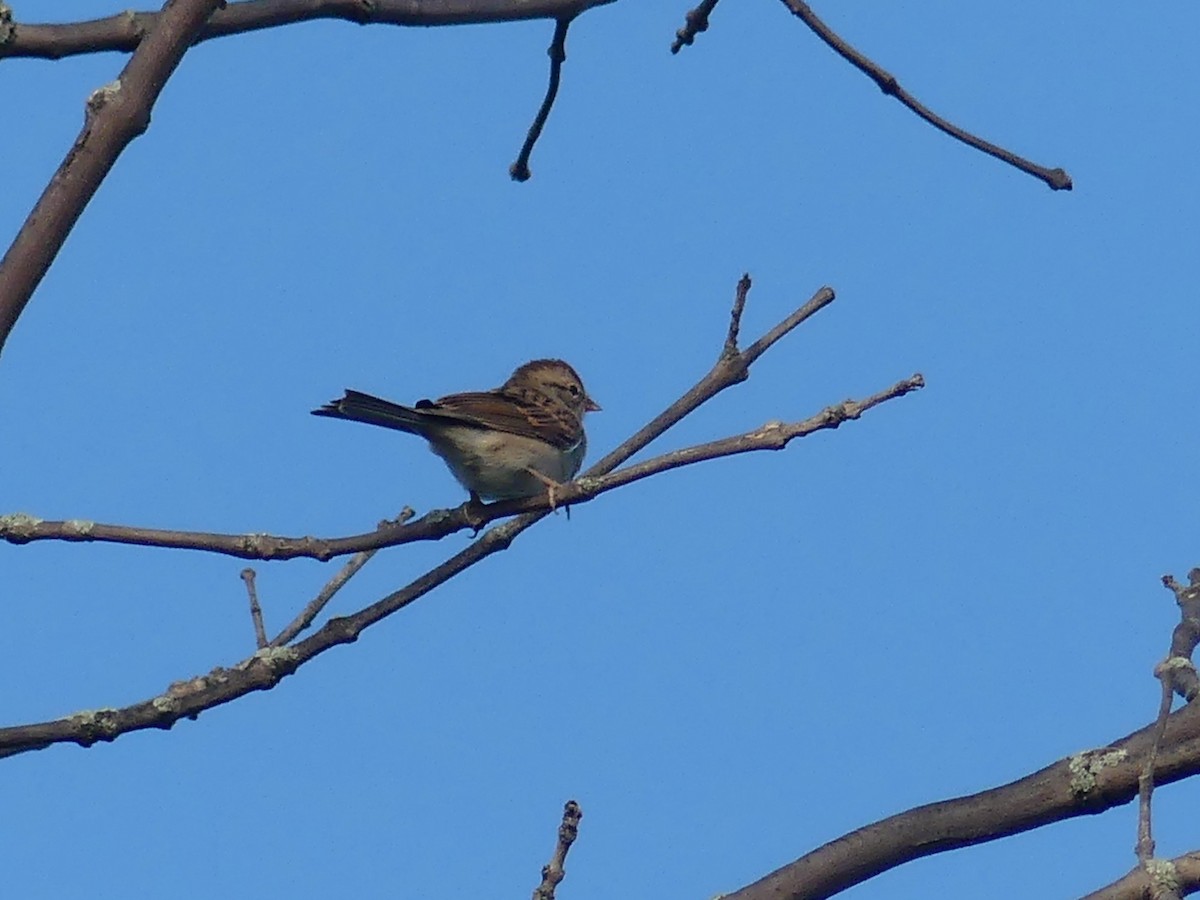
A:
(1084, 784)
(1057, 179)
(115, 115)
(123, 31)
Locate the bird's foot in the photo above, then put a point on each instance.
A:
(474, 512)
(552, 489)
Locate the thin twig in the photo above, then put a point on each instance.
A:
(123, 31)
(735, 316)
(263, 670)
(260, 630)
(519, 170)
(1145, 838)
(553, 872)
(114, 115)
(1057, 179)
(695, 22)
(335, 584)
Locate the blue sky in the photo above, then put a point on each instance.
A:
(727, 665)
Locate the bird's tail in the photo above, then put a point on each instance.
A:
(359, 407)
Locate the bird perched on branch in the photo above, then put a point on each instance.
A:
(522, 439)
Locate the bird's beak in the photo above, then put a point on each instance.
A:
(591, 406)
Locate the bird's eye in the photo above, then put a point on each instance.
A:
(574, 389)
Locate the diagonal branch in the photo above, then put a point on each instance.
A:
(1084, 784)
(1166, 750)
(264, 669)
(695, 22)
(1057, 179)
(554, 871)
(123, 31)
(557, 52)
(313, 609)
(115, 114)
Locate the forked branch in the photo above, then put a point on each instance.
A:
(264, 669)
(731, 368)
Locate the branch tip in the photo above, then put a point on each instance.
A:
(1057, 179)
(695, 22)
(554, 872)
(735, 316)
(557, 51)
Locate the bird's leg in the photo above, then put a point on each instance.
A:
(552, 487)
(473, 512)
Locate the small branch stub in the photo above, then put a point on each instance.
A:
(260, 630)
(695, 22)
(730, 349)
(554, 872)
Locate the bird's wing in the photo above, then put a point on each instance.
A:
(508, 414)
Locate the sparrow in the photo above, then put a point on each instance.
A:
(522, 439)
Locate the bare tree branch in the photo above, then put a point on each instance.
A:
(554, 872)
(557, 52)
(731, 368)
(1057, 179)
(1145, 839)
(775, 435)
(263, 670)
(124, 31)
(1180, 669)
(1176, 674)
(1166, 750)
(735, 316)
(310, 612)
(695, 22)
(115, 114)
(260, 630)
(1084, 784)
